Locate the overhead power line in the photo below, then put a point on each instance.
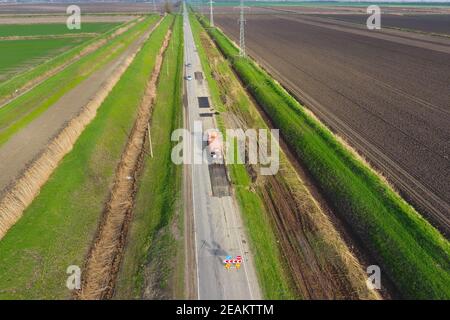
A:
(211, 13)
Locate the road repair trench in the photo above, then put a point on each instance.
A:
(219, 180)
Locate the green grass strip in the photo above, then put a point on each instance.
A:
(328, 3)
(53, 28)
(414, 255)
(57, 229)
(155, 233)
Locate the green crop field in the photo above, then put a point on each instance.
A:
(414, 255)
(7, 30)
(56, 231)
(8, 87)
(20, 55)
(30, 105)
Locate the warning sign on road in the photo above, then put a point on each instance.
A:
(230, 262)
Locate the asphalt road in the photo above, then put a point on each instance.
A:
(218, 228)
(387, 93)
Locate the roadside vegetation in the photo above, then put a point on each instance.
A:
(153, 264)
(30, 105)
(413, 254)
(58, 228)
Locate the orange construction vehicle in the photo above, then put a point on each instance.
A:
(215, 147)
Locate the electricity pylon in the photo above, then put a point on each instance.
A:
(211, 14)
(242, 29)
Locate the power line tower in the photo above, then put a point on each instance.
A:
(211, 14)
(242, 29)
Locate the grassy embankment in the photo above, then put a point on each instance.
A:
(57, 229)
(155, 244)
(29, 106)
(414, 255)
(268, 261)
(8, 87)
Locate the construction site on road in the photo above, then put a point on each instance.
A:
(187, 150)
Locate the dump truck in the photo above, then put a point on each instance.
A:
(215, 147)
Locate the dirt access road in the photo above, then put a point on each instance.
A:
(387, 93)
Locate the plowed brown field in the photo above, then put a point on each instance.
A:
(387, 93)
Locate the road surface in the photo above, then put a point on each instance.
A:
(218, 228)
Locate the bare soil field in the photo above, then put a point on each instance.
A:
(430, 23)
(322, 9)
(388, 98)
(398, 10)
(429, 20)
